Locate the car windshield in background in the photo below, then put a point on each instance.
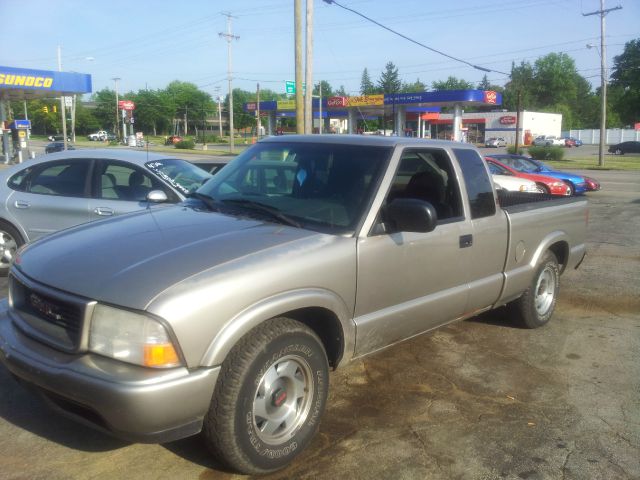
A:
(318, 186)
(520, 164)
(180, 174)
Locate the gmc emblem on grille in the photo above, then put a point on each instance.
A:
(44, 307)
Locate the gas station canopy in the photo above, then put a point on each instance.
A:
(28, 84)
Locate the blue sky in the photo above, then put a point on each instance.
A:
(150, 43)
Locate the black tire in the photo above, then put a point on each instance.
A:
(537, 304)
(279, 367)
(10, 241)
(543, 188)
(572, 187)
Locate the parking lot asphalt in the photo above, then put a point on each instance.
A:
(480, 399)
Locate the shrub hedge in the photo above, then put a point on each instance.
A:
(546, 153)
(185, 144)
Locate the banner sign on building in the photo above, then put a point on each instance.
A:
(337, 102)
(44, 80)
(286, 104)
(508, 120)
(365, 101)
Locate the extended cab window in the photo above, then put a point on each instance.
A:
(479, 187)
(427, 174)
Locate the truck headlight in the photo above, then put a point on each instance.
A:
(131, 337)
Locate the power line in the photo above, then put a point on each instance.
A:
(477, 67)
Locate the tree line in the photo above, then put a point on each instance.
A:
(550, 84)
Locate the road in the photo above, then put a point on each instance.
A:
(480, 399)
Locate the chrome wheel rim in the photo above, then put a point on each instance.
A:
(282, 400)
(8, 247)
(545, 291)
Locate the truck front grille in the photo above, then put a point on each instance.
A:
(47, 315)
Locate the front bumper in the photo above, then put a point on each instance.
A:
(134, 403)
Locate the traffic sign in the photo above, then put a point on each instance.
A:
(290, 87)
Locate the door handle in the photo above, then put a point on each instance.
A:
(22, 204)
(104, 211)
(466, 241)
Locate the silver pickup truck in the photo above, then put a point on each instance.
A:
(224, 314)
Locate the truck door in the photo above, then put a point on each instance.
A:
(411, 282)
(485, 256)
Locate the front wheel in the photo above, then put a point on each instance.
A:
(537, 304)
(619, 151)
(10, 241)
(269, 397)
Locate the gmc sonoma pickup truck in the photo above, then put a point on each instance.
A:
(223, 314)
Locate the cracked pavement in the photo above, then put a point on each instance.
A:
(480, 399)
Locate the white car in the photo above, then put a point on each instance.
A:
(495, 142)
(548, 141)
(98, 136)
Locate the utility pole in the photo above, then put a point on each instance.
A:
(258, 125)
(297, 24)
(320, 108)
(603, 78)
(229, 36)
(308, 76)
(115, 125)
(518, 107)
(62, 103)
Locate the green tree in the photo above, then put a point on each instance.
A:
(186, 99)
(366, 85)
(555, 80)
(327, 90)
(414, 87)
(341, 92)
(153, 111)
(625, 80)
(86, 122)
(452, 83)
(105, 109)
(521, 83)
(389, 81)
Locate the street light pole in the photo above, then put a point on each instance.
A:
(115, 125)
(62, 103)
(229, 36)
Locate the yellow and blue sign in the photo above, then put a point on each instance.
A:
(13, 79)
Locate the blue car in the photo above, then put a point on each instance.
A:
(529, 165)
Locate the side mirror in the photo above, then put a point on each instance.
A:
(157, 196)
(411, 215)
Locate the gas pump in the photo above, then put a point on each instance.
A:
(19, 136)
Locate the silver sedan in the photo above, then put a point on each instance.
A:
(68, 188)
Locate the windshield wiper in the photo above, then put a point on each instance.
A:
(262, 208)
(209, 201)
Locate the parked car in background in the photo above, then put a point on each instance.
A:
(495, 142)
(548, 141)
(544, 183)
(173, 139)
(592, 184)
(530, 165)
(512, 183)
(64, 189)
(58, 138)
(57, 147)
(98, 136)
(625, 147)
(572, 142)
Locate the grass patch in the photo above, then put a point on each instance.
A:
(611, 162)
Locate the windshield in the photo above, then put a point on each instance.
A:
(318, 186)
(180, 174)
(520, 164)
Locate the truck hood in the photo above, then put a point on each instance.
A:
(128, 260)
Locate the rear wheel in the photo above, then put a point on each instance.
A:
(10, 241)
(543, 188)
(537, 304)
(269, 398)
(619, 151)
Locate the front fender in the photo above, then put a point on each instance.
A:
(279, 305)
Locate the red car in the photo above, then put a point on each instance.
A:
(547, 184)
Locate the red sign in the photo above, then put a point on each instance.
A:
(490, 96)
(126, 105)
(337, 102)
(636, 126)
(508, 120)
